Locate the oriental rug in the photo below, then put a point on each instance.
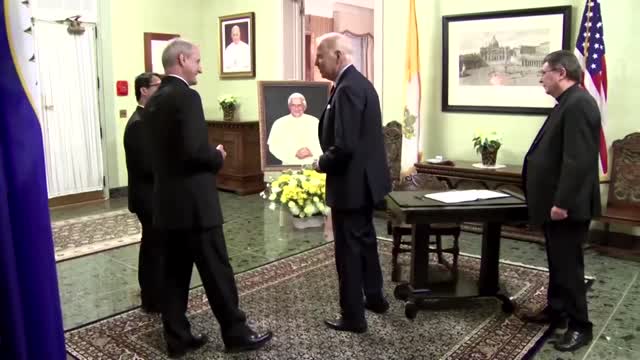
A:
(90, 234)
(292, 296)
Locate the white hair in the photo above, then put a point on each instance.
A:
(297, 96)
(336, 41)
(175, 47)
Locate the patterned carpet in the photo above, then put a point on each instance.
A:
(90, 234)
(292, 296)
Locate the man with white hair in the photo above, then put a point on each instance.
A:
(186, 206)
(355, 162)
(237, 55)
(293, 138)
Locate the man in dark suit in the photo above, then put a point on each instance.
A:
(560, 175)
(354, 159)
(140, 186)
(186, 204)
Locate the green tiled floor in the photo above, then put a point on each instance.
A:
(100, 285)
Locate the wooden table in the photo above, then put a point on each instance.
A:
(414, 209)
(463, 175)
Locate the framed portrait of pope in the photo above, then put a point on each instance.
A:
(237, 46)
(290, 112)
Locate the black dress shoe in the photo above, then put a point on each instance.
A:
(253, 341)
(380, 307)
(573, 340)
(195, 343)
(151, 309)
(341, 325)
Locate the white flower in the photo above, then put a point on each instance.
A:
(309, 209)
(272, 206)
(272, 197)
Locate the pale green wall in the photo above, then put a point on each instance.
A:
(122, 57)
(268, 37)
(449, 134)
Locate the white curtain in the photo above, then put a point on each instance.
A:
(67, 73)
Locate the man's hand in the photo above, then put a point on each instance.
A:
(221, 149)
(303, 153)
(316, 165)
(558, 213)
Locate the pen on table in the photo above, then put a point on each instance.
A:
(419, 197)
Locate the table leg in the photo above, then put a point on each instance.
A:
(419, 257)
(489, 274)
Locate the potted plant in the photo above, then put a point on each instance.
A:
(302, 194)
(487, 144)
(228, 104)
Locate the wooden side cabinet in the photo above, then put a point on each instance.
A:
(241, 172)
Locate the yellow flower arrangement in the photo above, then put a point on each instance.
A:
(300, 191)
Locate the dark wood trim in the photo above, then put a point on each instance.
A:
(76, 198)
(148, 37)
(119, 192)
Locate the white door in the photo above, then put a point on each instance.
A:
(67, 72)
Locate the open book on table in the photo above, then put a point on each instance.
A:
(458, 196)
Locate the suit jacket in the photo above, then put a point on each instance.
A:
(354, 157)
(561, 167)
(184, 163)
(138, 157)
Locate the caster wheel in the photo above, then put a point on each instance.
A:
(410, 310)
(402, 292)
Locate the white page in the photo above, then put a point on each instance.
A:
(451, 197)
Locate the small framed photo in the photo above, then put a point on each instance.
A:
(290, 113)
(491, 61)
(154, 44)
(237, 46)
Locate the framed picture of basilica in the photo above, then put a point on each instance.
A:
(491, 62)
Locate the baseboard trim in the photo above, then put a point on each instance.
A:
(118, 192)
(76, 198)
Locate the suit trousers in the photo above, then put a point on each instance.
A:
(151, 259)
(357, 261)
(567, 293)
(207, 249)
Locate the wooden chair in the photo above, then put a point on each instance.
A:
(623, 200)
(393, 145)
(399, 229)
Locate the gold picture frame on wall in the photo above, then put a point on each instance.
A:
(154, 44)
(237, 46)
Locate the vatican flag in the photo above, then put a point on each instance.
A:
(411, 117)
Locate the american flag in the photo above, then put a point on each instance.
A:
(590, 51)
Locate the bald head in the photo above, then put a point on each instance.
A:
(182, 58)
(333, 54)
(173, 50)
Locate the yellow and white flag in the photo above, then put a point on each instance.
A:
(411, 116)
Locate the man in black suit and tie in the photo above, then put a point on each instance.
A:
(186, 204)
(355, 162)
(140, 186)
(560, 175)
